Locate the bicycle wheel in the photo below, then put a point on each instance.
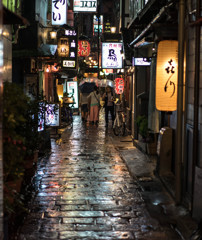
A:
(116, 129)
(122, 128)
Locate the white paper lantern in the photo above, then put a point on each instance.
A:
(167, 75)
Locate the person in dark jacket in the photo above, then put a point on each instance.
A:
(108, 97)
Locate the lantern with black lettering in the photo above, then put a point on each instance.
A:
(83, 48)
(119, 85)
(167, 75)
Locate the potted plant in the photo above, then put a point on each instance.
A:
(142, 124)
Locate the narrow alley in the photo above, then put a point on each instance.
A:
(85, 192)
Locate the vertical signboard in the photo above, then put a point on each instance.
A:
(72, 89)
(59, 12)
(83, 48)
(166, 75)
(111, 55)
(52, 115)
(96, 25)
(119, 86)
(69, 61)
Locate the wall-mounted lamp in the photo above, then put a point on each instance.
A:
(113, 29)
(53, 34)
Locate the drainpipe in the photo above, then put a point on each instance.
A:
(178, 162)
(196, 97)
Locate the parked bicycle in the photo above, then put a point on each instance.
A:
(119, 125)
(67, 111)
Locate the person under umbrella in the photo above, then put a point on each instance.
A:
(94, 103)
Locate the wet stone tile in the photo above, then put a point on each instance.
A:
(111, 221)
(75, 207)
(78, 221)
(106, 207)
(72, 214)
(82, 227)
(71, 202)
(56, 227)
(96, 235)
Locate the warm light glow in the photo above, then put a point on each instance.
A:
(113, 29)
(60, 92)
(63, 47)
(167, 75)
(53, 34)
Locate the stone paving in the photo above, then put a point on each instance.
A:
(86, 192)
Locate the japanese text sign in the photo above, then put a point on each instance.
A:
(63, 47)
(59, 12)
(83, 48)
(119, 85)
(167, 75)
(111, 55)
(85, 6)
(68, 48)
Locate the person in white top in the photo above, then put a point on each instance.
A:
(94, 103)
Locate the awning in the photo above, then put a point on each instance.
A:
(149, 27)
(10, 17)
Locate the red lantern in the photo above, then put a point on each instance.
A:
(119, 85)
(83, 48)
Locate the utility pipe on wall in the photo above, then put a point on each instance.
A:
(178, 162)
(196, 98)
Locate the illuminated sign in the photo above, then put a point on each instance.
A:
(85, 6)
(63, 47)
(95, 24)
(111, 55)
(95, 19)
(52, 115)
(59, 12)
(69, 57)
(83, 48)
(119, 85)
(72, 89)
(140, 62)
(167, 75)
(68, 64)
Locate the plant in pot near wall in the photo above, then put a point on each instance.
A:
(147, 136)
(142, 124)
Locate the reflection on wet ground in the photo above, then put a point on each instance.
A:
(85, 192)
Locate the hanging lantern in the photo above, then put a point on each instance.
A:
(63, 47)
(167, 75)
(119, 85)
(83, 48)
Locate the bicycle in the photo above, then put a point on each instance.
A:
(67, 111)
(119, 125)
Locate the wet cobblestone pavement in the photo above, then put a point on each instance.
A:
(85, 192)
